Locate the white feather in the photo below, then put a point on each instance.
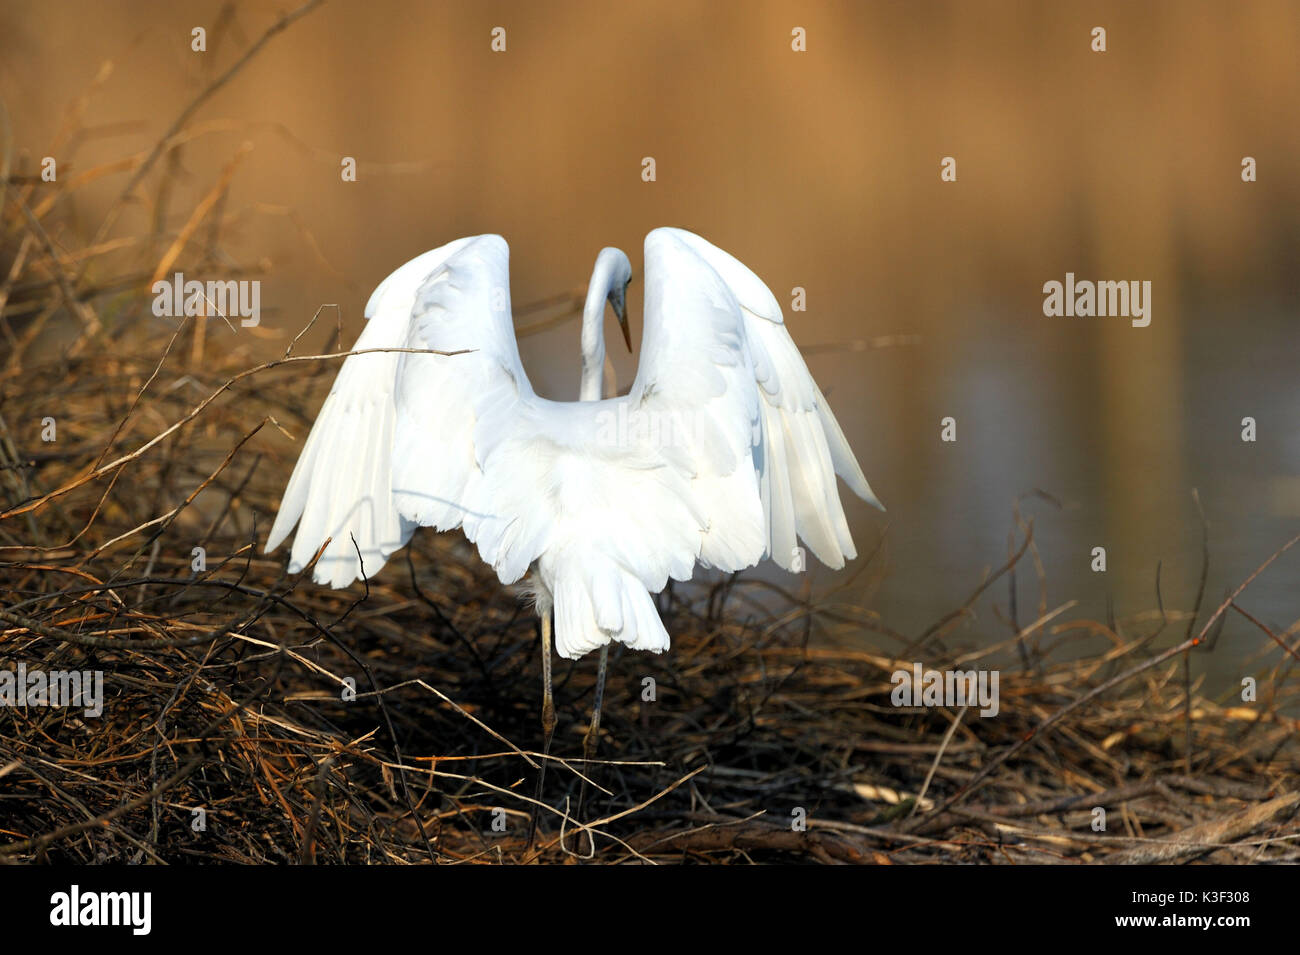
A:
(724, 450)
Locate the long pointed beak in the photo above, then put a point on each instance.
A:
(622, 323)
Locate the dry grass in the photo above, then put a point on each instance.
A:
(225, 686)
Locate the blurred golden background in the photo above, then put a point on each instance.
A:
(818, 169)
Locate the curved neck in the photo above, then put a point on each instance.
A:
(610, 274)
(593, 343)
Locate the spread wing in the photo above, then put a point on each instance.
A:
(400, 440)
(715, 349)
(723, 451)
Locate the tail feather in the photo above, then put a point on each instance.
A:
(598, 602)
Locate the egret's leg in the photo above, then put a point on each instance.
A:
(592, 739)
(548, 704)
(548, 721)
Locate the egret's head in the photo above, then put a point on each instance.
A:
(615, 265)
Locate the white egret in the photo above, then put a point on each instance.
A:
(723, 452)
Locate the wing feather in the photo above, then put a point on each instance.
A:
(396, 444)
(790, 435)
(723, 451)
